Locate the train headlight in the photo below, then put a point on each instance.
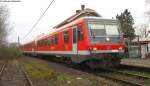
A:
(107, 39)
(94, 48)
(120, 48)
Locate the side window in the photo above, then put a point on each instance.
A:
(52, 40)
(80, 33)
(39, 42)
(45, 42)
(66, 36)
(56, 39)
(74, 35)
(49, 41)
(42, 41)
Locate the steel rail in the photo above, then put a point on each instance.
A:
(26, 76)
(132, 74)
(123, 73)
(133, 67)
(28, 79)
(119, 80)
(2, 69)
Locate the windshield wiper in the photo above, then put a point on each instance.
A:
(93, 36)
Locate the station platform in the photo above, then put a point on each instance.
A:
(136, 62)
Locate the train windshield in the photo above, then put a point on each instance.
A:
(99, 31)
(96, 29)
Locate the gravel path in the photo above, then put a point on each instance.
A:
(13, 76)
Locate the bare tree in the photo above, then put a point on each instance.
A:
(143, 30)
(3, 31)
(3, 23)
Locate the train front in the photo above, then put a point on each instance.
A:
(106, 43)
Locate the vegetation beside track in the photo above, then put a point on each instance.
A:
(41, 71)
(36, 71)
(7, 50)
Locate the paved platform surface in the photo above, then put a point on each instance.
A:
(136, 62)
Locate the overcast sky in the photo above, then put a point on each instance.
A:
(24, 14)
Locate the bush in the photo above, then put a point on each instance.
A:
(10, 51)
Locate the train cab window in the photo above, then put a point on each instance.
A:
(112, 29)
(80, 33)
(66, 36)
(56, 39)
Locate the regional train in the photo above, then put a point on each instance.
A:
(96, 41)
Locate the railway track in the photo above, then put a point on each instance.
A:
(121, 81)
(124, 77)
(14, 75)
(130, 74)
(27, 77)
(2, 69)
(137, 68)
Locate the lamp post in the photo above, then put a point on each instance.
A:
(139, 46)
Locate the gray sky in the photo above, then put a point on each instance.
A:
(24, 14)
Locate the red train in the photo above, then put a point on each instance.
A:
(93, 40)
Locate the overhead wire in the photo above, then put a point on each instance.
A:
(38, 20)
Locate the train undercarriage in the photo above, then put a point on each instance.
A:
(93, 61)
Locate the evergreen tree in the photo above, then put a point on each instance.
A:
(126, 21)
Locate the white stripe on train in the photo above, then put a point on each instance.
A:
(73, 52)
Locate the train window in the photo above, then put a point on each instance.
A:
(66, 36)
(49, 41)
(56, 39)
(52, 40)
(80, 33)
(97, 29)
(45, 42)
(112, 29)
(40, 43)
(74, 35)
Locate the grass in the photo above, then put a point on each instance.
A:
(38, 73)
(65, 79)
(124, 59)
(42, 71)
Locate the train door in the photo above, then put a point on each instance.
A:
(34, 48)
(75, 44)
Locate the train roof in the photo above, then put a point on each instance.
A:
(98, 18)
(79, 13)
